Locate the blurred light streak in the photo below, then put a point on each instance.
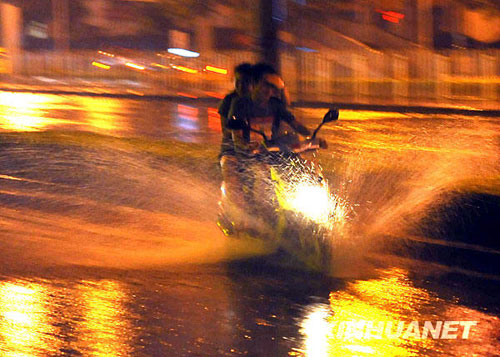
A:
(391, 16)
(159, 65)
(100, 65)
(135, 66)
(106, 54)
(306, 49)
(189, 112)
(356, 114)
(317, 330)
(183, 53)
(390, 19)
(135, 92)
(7, 177)
(216, 69)
(185, 69)
(214, 94)
(187, 95)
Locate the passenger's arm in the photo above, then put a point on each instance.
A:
(238, 123)
(240, 143)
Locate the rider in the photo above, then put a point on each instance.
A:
(262, 110)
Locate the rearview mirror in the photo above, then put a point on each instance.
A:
(332, 115)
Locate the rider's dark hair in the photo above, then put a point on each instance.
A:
(259, 70)
(244, 69)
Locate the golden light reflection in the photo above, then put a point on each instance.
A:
(103, 114)
(389, 316)
(391, 298)
(23, 111)
(104, 329)
(24, 326)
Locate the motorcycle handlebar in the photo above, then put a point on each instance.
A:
(305, 145)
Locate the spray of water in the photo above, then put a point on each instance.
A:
(108, 205)
(390, 182)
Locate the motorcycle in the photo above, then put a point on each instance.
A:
(286, 196)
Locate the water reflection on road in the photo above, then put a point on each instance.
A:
(42, 318)
(212, 312)
(389, 316)
(22, 112)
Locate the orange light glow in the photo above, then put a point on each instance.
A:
(215, 95)
(100, 65)
(188, 112)
(133, 65)
(159, 65)
(104, 324)
(390, 19)
(391, 16)
(101, 114)
(25, 328)
(22, 111)
(216, 69)
(185, 69)
(187, 95)
(106, 54)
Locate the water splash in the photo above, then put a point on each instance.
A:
(108, 205)
(392, 179)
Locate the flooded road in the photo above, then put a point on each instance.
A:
(110, 247)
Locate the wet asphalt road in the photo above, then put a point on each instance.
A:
(109, 243)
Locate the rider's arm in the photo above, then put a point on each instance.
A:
(288, 117)
(299, 127)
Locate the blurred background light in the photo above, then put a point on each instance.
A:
(183, 53)
(216, 69)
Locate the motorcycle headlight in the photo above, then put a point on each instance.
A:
(313, 201)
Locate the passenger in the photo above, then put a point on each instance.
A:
(242, 76)
(230, 167)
